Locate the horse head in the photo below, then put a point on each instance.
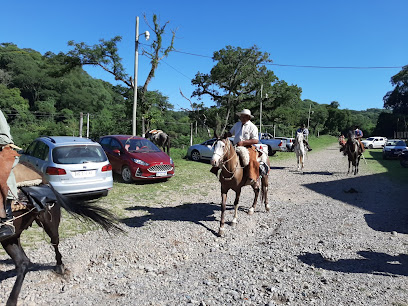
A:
(299, 137)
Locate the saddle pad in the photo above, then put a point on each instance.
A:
(26, 175)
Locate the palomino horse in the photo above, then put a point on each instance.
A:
(353, 151)
(300, 151)
(234, 176)
(160, 138)
(49, 219)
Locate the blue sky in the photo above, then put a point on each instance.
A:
(303, 33)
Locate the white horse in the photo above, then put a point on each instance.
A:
(300, 151)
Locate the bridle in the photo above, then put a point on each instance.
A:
(224, 162)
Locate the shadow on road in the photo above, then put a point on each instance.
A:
(190, 212)
(373, 193)
(373, 263)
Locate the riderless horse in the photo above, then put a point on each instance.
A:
(42, 204)
(300, 151)
(353, 150)
(234, 176)
(160, 138)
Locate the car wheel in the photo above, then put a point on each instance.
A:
(271, 152)
(370, 146)
(195, 155)
(126, 174)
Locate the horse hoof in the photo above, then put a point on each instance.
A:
(221, 232)
(60, 269)
(251, 211)
(267, 207)
(234, 222)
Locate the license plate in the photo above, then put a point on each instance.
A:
(87, 173)
(161, 173)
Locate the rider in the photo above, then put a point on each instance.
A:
(7, 228)
(358, 134)
(246, 134)
(303, 129)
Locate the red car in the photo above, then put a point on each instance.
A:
(136, 158)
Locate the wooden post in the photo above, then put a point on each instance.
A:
(81, 122)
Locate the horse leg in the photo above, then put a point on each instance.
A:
(22, 263)
(255, 187)
(237, 195)
(349, 166)
(221, 231)
(49, 221)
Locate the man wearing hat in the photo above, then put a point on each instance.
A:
(6, 224)
(246, 134)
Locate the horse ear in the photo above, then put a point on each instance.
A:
(216, 135)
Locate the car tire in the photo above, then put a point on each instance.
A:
(271, 152)
(126, 175)
(370, 146)
(195, 156)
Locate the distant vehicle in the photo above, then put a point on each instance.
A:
(202, 151)
(289, 142)
(74, 166)
(375, 142)
(393, 148)
(274, 144)
(137, 158)
(403, 157)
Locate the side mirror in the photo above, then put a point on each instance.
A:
(117, 151)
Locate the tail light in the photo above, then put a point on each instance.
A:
(107, 167)
(280, 144)
(55, 171)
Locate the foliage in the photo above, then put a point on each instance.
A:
(397, 99)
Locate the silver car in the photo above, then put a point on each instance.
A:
(202, 151)
(74, 166)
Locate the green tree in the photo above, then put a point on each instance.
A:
(397, 99)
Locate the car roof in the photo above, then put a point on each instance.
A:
(66, 140)
(120, 137)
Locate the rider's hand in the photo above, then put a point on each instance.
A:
(240, 143)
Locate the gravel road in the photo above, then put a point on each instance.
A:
(329, 239)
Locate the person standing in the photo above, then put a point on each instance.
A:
(6, 224)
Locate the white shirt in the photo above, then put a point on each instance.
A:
(244, 132)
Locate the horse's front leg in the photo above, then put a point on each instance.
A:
(237, 195)
(22, 263)
(349, 167)
(255, 187)
(221, 231)
(264, 194)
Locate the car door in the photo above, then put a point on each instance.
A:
(208, 149)
(110, 144)
(40, 156)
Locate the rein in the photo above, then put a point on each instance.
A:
(225, 162)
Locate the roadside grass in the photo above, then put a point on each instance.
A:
(391, 168)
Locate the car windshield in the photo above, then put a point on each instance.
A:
(139, 145)
(78, 154)
(370, 139)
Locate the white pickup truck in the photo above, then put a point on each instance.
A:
(274, 145)
(374, 142)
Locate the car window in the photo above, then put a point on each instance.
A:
(105, 142)
(139, 145)
(115, 144)
(41, 151)
(31, 148)
(78, 154)
(401, 143)
(370, 139)
(208, 142)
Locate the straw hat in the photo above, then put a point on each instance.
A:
(245, 112)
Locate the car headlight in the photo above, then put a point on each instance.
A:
(140, 162)
(171, 160)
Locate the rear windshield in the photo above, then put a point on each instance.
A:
(139, 145)
(78, 154)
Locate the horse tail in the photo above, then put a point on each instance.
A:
(85, 211)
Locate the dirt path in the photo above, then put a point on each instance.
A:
(330, 239)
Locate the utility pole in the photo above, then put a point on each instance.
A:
(135, 77)
(81, 122)
(260, 112)
(87, 126)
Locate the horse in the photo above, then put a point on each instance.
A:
(234, 176)
(160, 138)
(300, 150)
(42, 204)
(353, 150)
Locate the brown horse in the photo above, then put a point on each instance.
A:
(234, 176)
(160, 138)
(42, 204)
(353, 151)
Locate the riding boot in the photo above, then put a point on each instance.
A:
(7, 229)
(214, 170)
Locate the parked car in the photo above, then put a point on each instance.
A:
(274, 144)
(403, 157)
(202, 151)
(374, 142)
(74, 166)
(289, 142)
(136, 158)
(393, 148)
